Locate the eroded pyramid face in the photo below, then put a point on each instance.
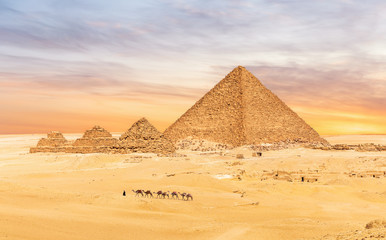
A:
(141, 129)
(144, 137)
(239, 110)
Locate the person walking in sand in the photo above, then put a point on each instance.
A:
(124, 193)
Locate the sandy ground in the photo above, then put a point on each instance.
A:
(75, 196)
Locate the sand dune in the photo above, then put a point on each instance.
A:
(79, 196)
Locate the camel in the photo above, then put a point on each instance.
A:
(182, 195)
(164, 194)
(159, 193)
(174, 194)
(189, 196)
(138, 192)
(147, 193)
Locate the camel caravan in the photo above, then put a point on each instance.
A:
(162, 195)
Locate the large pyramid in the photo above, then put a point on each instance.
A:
(239, 110)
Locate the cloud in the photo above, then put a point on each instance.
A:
(180, 26)
(315, 54)
(91, 78)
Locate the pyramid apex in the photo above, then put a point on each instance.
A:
(96, 132)
(240, 70)
(142, 119)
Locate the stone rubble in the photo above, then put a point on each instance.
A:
(365, 147)
(200, 145)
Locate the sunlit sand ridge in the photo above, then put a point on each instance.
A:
(78, 196)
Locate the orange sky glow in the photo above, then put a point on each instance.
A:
(69, 65)
(43, 111)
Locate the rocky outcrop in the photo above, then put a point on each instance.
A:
(239, 110)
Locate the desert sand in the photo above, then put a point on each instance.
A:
(79, 196)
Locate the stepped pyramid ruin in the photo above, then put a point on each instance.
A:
(55, 142)
(141, 137)
(94, 140)
(239, 110)
(144, 137)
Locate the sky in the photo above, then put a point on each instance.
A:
(70, 65)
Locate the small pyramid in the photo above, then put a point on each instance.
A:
(94, 140)
(54, 139)
(55, 142)
(141, 129)
(239, 110)
(144, 137)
